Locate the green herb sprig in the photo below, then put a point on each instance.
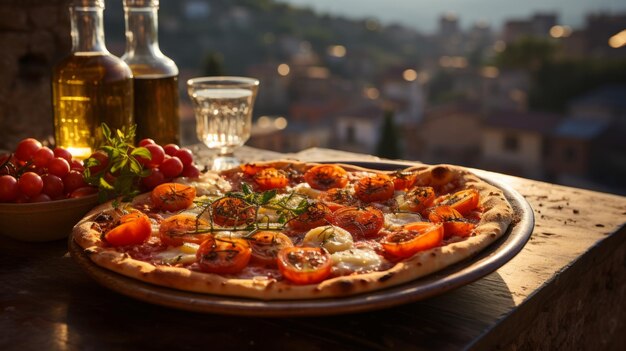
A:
(121, 177)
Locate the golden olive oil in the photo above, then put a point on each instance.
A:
(156, 109)
(89, 89)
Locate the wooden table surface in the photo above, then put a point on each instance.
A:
(565, 290)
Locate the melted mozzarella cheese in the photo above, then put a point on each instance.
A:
(207, 184)
(331, 238)
(395, 220)
(306, 190)
(185, 254)
(355, 260)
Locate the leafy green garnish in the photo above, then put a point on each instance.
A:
(121, 177)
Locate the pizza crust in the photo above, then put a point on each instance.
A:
(495, 220)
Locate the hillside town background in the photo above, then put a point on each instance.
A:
(528, 96)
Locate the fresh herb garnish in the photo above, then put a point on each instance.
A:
(121, 177)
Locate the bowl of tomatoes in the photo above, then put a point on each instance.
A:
(43, 193)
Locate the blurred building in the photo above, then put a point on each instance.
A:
(517, 142)
(449, 133)
(538, 25)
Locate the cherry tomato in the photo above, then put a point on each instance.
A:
(52, 185)
(463, 201)
(41, 197)
(185, 156)
(232, 212)
(73, 181)
(30, 184)
(8, 188)
(223, 255)
(157, 155)
(170, 149)
(317, 214)
(360, 222)
(146, 141)
(59, 167)
(173, 196)
(324, 177)
(403, 180)
(62, 153)
(134, 229)
(374, 188)
(76, 165)
(42, 157)
(83, 191)
(103, 161)
(183, 228)
(304, 265)
(171, 167)
(190, 171)
(271, 178)
(154, 179)
(419, 198)
(265, 246)
(26, 149)
(412, 238)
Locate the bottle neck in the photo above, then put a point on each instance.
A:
(87, 29)
(142, 31)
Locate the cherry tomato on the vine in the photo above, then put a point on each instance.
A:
(30, 184)
(26, 149)
(8, 188)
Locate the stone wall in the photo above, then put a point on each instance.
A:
(34, 35)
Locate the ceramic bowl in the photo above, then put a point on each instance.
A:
(43, 221)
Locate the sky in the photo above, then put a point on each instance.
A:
(424, 14)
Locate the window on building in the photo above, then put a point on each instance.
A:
(511, 142)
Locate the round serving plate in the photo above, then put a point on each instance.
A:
(462, 273)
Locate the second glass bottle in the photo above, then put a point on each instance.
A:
(155, 75)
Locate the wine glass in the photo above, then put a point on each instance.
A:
(223, 108)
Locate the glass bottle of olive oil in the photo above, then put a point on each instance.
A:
(156, 76)
(90, 86)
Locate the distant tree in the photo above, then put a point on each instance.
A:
(527, 53)
(213, 65)
(389, 141)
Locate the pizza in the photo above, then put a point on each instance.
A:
(295, 230)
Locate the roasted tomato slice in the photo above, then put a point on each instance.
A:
(252, 168)
(463, 201)
(419, 198)
(375, 188)
(223, 255)
(360, 222)
(304, 265)
(173, 196)
(134, 229)
(317, 214)
(271, 178)
(232, 212)
(412, 238)
(265, 246)
(403, 180)
(183, 228)
(324, 177)
(336, 198)
(443, 214)
(458, 227)
(453, 221)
